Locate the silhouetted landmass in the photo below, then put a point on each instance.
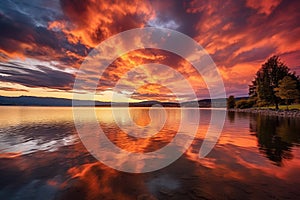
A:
(41, 101)
(207, 103)
(49, 101)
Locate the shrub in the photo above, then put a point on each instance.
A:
(230, 102)
(244, 103)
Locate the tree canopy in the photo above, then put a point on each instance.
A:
(287, 89)
(230, 102)
(267, 79)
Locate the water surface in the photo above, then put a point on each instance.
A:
(42, 157)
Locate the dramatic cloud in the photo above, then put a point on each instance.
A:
(43, 43)
(263, 7)
(242, 35)
(90, 22)
(36, 76)
(140, 71)
(24, 33)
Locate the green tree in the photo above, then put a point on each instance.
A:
(287, 89)
(267, 78)
(230, 102)
(253, 89)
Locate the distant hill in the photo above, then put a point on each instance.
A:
(44, 101)
(206, 103)
(49, 101)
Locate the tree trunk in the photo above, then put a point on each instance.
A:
(276, 104)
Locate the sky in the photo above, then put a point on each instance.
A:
(44, 43)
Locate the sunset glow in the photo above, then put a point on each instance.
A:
(43, 44)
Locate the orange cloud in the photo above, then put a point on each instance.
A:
(240, 41)
(155, 82)
(93, 21)
(154, 91)
(263, 7)
(13, 89)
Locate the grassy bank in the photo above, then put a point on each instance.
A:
(294, 111)
(282, 107)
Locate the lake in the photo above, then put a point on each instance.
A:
(43, 157)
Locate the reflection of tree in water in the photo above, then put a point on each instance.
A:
(276, 136)
(231, 116)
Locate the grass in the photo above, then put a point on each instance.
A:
(282, 107)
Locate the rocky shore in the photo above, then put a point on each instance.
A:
(271, 112)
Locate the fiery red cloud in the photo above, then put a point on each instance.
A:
(42, 44)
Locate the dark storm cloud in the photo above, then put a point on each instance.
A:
(42, 76)
(25, 33)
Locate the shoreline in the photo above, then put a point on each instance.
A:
(269, 112)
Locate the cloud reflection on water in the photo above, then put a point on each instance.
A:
(240, 166)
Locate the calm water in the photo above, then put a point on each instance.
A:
(42, 157)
